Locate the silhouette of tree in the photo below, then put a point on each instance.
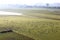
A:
(47, 4)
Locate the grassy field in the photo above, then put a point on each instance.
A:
(36, 24)
(14, 36)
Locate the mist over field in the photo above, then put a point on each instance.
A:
(36, 5)
(29, 19)
(30, 24)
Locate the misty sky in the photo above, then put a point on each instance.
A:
(29, 2)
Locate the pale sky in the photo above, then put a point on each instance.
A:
(27, 1)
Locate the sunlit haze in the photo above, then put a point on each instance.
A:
(29, 2)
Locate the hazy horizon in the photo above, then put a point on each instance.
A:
(28, 2)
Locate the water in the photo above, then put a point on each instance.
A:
(9, 13)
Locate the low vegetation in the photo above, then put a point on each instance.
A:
(38, 28)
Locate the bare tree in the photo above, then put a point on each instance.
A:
(47, 4)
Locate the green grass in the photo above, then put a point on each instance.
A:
(35, 27)
(38, 29)
(37, 12)
(13, 36)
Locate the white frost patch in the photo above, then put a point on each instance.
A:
(9, 13)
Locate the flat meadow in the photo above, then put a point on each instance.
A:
(37, 24)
